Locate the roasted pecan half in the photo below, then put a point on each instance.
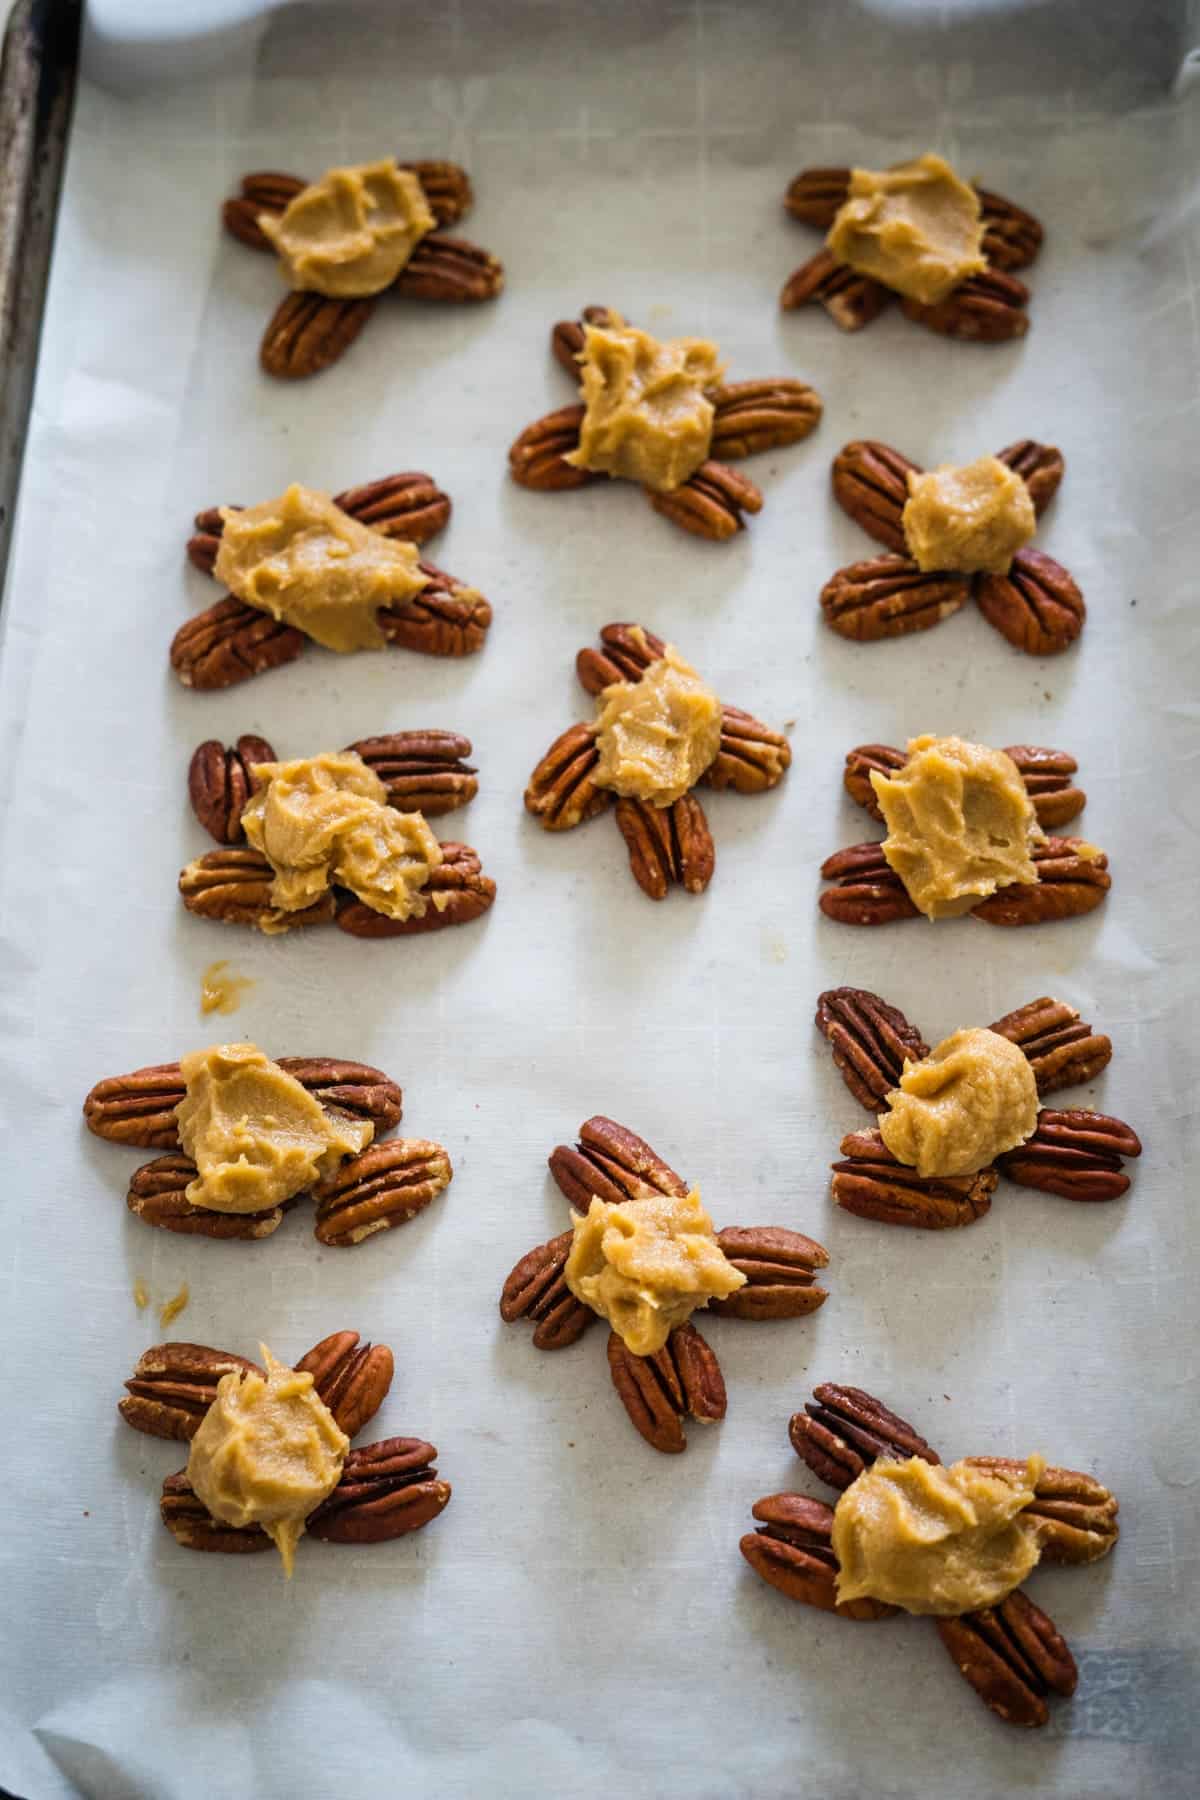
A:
(1012, 237)
(668, 846)
(536, 1289)
(386, 1490)
(780, 1267)
(1046, 774)
(568, 337)
(1076, 1514)
(409, 506)
(889, 596)
(792, 1550)
(352, 1378)
(229, 642)
(385, 1185)
(870, 484)
(682, 1380)
(1076, 1153)
(871, 1041)
(537, 459)
(753, 416)
(842, 1431)
(173, 1386)
(871, 1183)
(449, 269)
(220, 783)
(310, 332)
(192, 1525)
(233, 886)
(1036, 606)
(710, 503)
(458, 893)
(611, 1163)
(752, 756)
(1073, 879)
(1013, 1655)
(562, 792)
(423, 771)
(447, 618)
(868, 891)
(1040, 466)
(814, 196)
(139, 1108)
(1064, 1051)
(850, 299)
(157, 1197)
(628, 650)
(988, 308)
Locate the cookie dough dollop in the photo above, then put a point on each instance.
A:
(959, 1108)
(657, 736)
(351, 233)
(915, 227)
(647, 416)
(972, 519)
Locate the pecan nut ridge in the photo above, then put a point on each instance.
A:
(1037, 606)
(383, 1187)
(352, 1378)
(230, 642)
(157, 1196)
(173, 1386)
(562, 790)
(613, 1164)
(781, 1269)
(1013, 1655)
(870, 1040)
(870, 484)
(668, 846)
(889, 596)
(682, 1380)
(535, 1288)
(843, 1430)
(709, 504)
(1075, 1153)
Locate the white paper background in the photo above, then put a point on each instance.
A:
(580, 1620)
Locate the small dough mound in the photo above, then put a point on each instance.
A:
(647, 416)
(351, 233)
(658, 735)
(915, 227)
(972, 520)
(962, 1106)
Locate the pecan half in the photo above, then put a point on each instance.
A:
(220, 783)
(233, 886)
(752, 757)
(229, 642)
(815, 196)
(889, 596)
(262, 191)
(668, 846)
(562, 792)
(710, 503)
(870, 1041)
(157, 1197)
(447, 188)
(1012, 237)
(450, 269)
(1036, 606)
(611, 1163)
(536, 1289)
(850, 299)
(872, 1184)
(1013, 1655)
(537, 459)
(792, 1550)
(423, 771)
(870, 484)
(628, 650)
(447, 618)
(1075, 1153)
(682, 1380)
(409, 506)
(780, 1267)
(868, 891)
(1046, 774)
(192, 1525)
(351, 1378)
(458, 892)
(1063, 1050)
(139, 1108)
(753, 416)
(173, 1386)
(988, 308)
(1073, 879)
(1040, 466)
(385, 1185)
(842, 1431)
(1076, 1514)
(386, 1490)
(567, 338)
(310, 332)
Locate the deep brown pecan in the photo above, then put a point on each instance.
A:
(447, 618)
(628, 650)
(850, 299)
(872, 1184)
(536, 1289)
(752, 756)
(173, 1386)
(668, 846)
(815, 196)
(753, 416)
(870, 484)
(385, 1185)
(423, 771)
(682, 1380)
(1063, 1050)
(842, 1431)
(458, 893)
(386, 1490)
(780, 1267)
(792, 1550)
(1036, 606)
(1040, 466)
(409, 506)
(204, 545)
(229, 642)
(567, 338)
(1076, 1514)
(450, 269)
(447, 188)
(870, 1040)
(233, 886)
(220, 783)
(988, 308)
(1076, 1153)
(1013, 1655)
(710, 503)
(611, 1163)
(562, 791)
(1046, 774)
(868, 891)
(157, 1197)
(310, 332)
(537, 459)
(139, 1108)
(1073, 879)
(889, 596)
(1012, 237)
(192, 1525)
(352, 1378)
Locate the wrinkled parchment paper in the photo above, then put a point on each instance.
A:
(580, 1620)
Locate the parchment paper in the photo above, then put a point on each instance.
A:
(580, 1620)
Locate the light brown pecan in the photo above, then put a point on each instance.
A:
(409, 506)
(780, 1267)
(753, 416)
(870, 1040)
(1075, 1153)
(815, 196)
(352, 1378)
(792, 1550)
(157, 1197)
(711, 503)
(568, 337)
(1073, 879)
(870, 484)
(1036, 606)
(872, 1184)
(842, 1431)
(233, 886)
(889, 596)
(752, 756)
(1046, 774)
(139, 1108)
(229, 642)
(385, 1185)
(988, 308)
(423, 771)
(310, 332)
(1013, 1655)
(611, 1163)
(668, 846)
(1040, 466)
(447, 618)
(1063, 1050)
(458, 893)
(173, 1386)
(220, 783)
(682, 1380)
(386, 1490)
(450, 269)
(850, 299)
(1012, 237)
(537, 459)
(868, 891)
(536, 1289)
(1076, 1514)
(562, 791)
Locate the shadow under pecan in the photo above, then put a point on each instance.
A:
(668, 846)
(871, 1183)
(1047, 775)
(681, 1381)
(1075, 1153)
(870, 1040)
(1062, 1048)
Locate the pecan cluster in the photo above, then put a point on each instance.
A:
(750, 417)
(1036, 606)
(229, 641)
(385, 1185)
(987, 308)
(308, 332)
(386, 1489)
(682, 1380)
(1011, 1654)
(1075, 1153)
(668, 846)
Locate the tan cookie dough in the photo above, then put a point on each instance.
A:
(960, 824)
(255, 1135)
(935, 1540)
(646, 1265)
(325, 820)
(647, 416)
(915, 227)
(306, 562)
(267, 1453)
(352, 232)
(221, 990)
(962, 1106)
(657, 736)
(972, 519)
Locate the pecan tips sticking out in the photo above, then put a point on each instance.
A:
(889, 596)
(843, 1430)
(1075, 1153)
(1063, 1050)
(613, 1164)
(310, 332)
(220, 782)
(382, 1187)
(711, 503)
(792, 1550)
(562, 792)
(1036, 606)
(536, 1289)
(872, 1184)
(870, 1040)
(668, 846)
(682, 1380)
(851, 300)
(780, 1267)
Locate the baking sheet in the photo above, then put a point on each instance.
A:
(580, 1619)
